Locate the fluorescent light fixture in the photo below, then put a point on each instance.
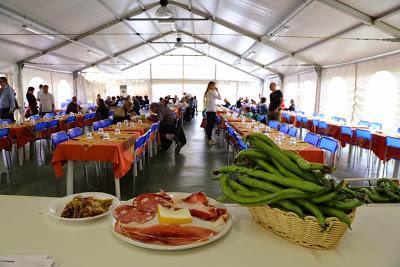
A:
(95, 53)
(282, 30)
(163, 12)
(38, 32)
(251, 54)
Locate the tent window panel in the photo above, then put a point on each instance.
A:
(250, 89)
(306, 97)
(227, 89)
(336, 98)
(64, 93)
(290, 92)
(380, 99)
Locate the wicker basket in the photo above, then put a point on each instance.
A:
(305, 232)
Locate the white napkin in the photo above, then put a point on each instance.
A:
(26, 261)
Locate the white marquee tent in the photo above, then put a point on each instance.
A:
(334, 57)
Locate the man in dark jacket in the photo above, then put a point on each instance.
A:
(73, 106)
(275, 103)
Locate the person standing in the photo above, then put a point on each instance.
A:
(32, 108)
(146, 100)
(195, 104)
(275, 102)
(210, 97)
(40, 92)
(74, 107)
(7, 100)
(46, 101)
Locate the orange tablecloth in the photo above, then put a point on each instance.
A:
(140, 128)
(22, 134)
(307, 151)
(119, 151)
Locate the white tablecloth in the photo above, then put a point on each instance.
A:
(27, 229)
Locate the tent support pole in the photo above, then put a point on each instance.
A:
(318, 90)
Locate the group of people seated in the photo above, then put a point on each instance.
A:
(186, 105)
(252, 109)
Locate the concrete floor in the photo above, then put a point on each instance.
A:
(186, 172)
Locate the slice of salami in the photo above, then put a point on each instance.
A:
(127, 214)
(148, 202)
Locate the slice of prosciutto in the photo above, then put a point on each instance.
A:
(200, 208)
(168, 234)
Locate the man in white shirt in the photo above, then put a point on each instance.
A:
(40, 92)
(46, 101)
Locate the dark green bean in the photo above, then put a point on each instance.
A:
(336, 213)
(324, 198)
(314, 211)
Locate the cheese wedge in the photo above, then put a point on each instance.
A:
(170, 216)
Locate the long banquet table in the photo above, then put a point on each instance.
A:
(26, 229)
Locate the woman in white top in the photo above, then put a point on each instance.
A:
(210, 97)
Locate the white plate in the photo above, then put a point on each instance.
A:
(221, 233)
(56, 208)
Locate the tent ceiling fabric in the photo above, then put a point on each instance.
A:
(238, 26)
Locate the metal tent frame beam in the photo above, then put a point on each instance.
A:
(244, 32)
(129, 49)
(185, 33)
(230, 52)
(149, 58)
(363, 17)
(86, 34)
(282, 22)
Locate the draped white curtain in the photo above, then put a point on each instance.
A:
(60, 84)
(302, 89)
(338, 92)
(88, 90)
(378, 92)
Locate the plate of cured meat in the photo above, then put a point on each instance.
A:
(171, 221)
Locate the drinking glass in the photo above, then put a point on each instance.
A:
(89, 136)
(126, 122)
(117, 131)
(132, 125)
(106, 136)
(293, 140)
(100, 131)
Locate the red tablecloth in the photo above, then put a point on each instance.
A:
(119, 152)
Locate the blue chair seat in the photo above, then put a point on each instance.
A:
(292, 132)
(59, 137)
(75, 132)
(274, 124)
(312, 138)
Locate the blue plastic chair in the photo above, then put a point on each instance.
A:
(6, 121)
(391, 142)
(273, 124)
(75, 132)
(292, 132)
(61, 113)
(321, 116)
(34, 117)
(97, 125)
(363, 123)
(312, 138)
(40, 130)
(284, 128)
(70, 120)
(361, 137)
(262, 118)
(335, 119)
(137, 157)
(59, 137)
(300, 112)
(345, 130)
(49, 115)
(105, 123)
(4, 135)
(398, 130)
(375, 126)
(315, 123)
(241, 144)
(322, 127)
(342, 120)
(331, 145)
